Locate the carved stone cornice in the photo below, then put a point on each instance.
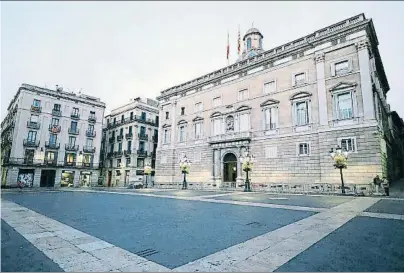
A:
(319, 58)
(364, 44)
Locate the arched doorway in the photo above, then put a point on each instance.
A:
(229, 168)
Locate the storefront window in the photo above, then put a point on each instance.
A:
(85, 179)
(67, 179)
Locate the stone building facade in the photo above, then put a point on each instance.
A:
(51, 138)
(130, 136)
(288, 106)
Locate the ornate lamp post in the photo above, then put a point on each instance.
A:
(147, 171)
(340, 159)
(185, 163)
(247, 161)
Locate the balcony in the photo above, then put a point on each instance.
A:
(128, 136)
(36, 109)
(33, 125)
(54, 128)
(74, 131)
(69, 163)
(75, 115)
(111, 139)
(56, 113)
(89, 149)
(110, 154)
(22, 161)
(87, 164)
(143, 136)
(71, 147)
(155, 139)
(141, 153)
(50, 162)
(92, 119)
(118, 154)
(52, 145)
(31, 143)
(127, 152)
(90, 133)
(230, 137)
(119, 138)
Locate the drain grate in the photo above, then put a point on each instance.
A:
(254, 224)
(19, 210)
(146, 252)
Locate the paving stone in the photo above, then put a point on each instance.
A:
(50, 243)
(94, 245)
(95, 266)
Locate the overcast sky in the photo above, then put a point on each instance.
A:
(121, 50)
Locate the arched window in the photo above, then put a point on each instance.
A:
(248, 43)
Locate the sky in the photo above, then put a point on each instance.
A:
(122, 50)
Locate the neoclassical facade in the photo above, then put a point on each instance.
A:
(288, 106)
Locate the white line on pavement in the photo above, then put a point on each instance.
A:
(383, 215)
(71, 249)
(268, 252)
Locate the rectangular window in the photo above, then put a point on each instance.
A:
(182, 111)
(198, 107)
(70, 157)
(50, 156)
(114, 121)
(89, 142)
(165, 139)
(243, 94)
(127, 161)
(73, 126)
(31, 136)
(244, 122)
(75, 111)
(269, 87)
(142, 130)
(111, 148)
(341, 68)
(198, 130)
(300, 78)
(34, 118)
(55, 121)
(217, 126)
(131, 115)
(56, 107)
(156, 132)
(143, 117)
(72, 140)
(52, 138)
(120, 147)
(91, 128)
(167, 115)
(348, 144)
(121, 132)
(217, 101)
(141, 146)
(130, 129)
(118, 163)
(344, 106)
(182, 134)
(36, 103)
(302, 114)
(92, 114)
(129, 145)
(140, 162)
(122, 118)
(271, 118)
(87, 159)
(304, 149)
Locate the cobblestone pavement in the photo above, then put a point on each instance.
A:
(174, 230)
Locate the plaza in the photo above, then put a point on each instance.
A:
(198, 230)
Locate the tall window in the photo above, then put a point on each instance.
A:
(244, 122)
(75, 111)
(31, 136)
(118, 163)
(248, 43)
(341, 67)
(156, 132)
(120, 147)
(243, 94)
(122, 118)
(70, 157)
(271, 118)
(130, 129)
(182, 133)
(73, 126)
(143, 116)
(182, 111)
(131, 115)
(92, 114)
(167, 115)
(129, 145)
(52, 138)
(36, 103)
(50, 156)
(198, 130)
(127, 161)
(142, 130)
(72, 141)
(91, 128)
(55, 121)
(140, 162)
(89, 142)
(165, 138)
(56, 107)
(302, 113)
(121, 131)
(217, 101)
(217, 126)
(141, 146)
(269, 87)
(111, 148)
(87, 159)
(344, 106)
(114, 121)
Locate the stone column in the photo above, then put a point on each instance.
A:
(213, 168)
(240, 178)
(217, 171)
(321, 91)
(366, 81)
(173, 124)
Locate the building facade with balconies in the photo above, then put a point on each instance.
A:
(288, 106)
(130, 135)
(51, 138)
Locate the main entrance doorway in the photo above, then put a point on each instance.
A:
(48, 178)
(230, 168)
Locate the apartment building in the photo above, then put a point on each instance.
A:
(287, 106)
(130, 136)
(51, 138)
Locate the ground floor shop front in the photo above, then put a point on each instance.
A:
(48, 177)
(127, 176)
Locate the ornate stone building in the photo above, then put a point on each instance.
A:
(288, 106)
(129, 142)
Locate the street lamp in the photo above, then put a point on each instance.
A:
(340, 159)
(247, 161)
(147, 170)
(185, 163)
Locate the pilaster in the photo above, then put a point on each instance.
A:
(321, 91)
(366, 81)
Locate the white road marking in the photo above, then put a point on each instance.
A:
(383, 215)
(71, 249)
(271, 250)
